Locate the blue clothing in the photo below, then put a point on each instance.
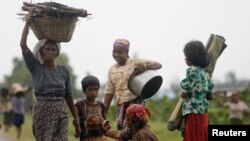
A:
(48, 83)
(18, 119)
(18, 105)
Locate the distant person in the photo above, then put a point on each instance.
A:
(137, 129)
(118, 76)
(90, 111)
(236, 108)
(52, 88)
(197, 87)
(6, 108)
(18, 104)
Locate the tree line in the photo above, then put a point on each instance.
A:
(161, 105)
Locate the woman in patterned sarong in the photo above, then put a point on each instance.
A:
(118, 77)
(52, 89)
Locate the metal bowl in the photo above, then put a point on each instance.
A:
(146, 84)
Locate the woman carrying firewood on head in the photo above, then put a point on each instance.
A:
(52, 89)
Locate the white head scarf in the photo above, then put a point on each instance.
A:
(40, 44)
(17, 87)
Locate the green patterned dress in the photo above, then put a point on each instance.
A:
(197, 85)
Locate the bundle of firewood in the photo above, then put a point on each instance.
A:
(54, 21)
(54, 9)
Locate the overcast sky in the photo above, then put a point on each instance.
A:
(156, 29)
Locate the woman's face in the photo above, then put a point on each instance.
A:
(50, 52)
(235, 98)
(120, 55)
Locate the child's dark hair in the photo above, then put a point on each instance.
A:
(47, 42)
(196, 54)
(89, 80)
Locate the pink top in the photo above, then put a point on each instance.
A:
(237, 109)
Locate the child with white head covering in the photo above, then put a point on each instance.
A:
(18, 105)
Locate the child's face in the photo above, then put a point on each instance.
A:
(92, 92)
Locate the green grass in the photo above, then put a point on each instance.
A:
(159, 128)
(26, 135)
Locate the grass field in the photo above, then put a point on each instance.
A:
(158, 127)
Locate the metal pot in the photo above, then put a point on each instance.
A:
(146, 84)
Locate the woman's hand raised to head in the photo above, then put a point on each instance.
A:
(25, 32)
(28, 17)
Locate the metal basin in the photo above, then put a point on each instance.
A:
(146, 84)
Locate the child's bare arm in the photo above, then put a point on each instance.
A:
(116, 134)
(110, 132)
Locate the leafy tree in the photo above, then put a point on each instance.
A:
(160, 108)
(63, 59)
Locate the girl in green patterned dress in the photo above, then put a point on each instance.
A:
(197, 88)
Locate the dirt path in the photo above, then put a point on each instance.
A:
(4, 137)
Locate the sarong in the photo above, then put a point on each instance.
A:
(196, 127)
(50, 120)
